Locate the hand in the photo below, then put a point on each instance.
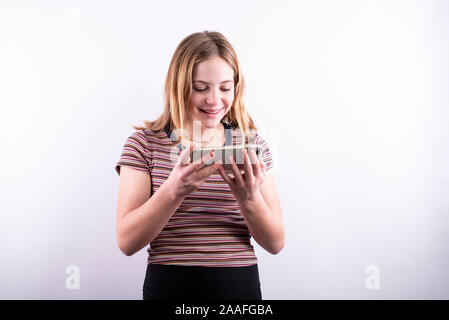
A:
(187, 177)
(245, 186)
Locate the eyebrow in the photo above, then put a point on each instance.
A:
(208, 82)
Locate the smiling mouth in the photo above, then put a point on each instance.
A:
(210, 112)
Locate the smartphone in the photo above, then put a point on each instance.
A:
(223, 153)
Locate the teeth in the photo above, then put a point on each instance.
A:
(210, 112)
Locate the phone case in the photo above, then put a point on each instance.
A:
(222, 153)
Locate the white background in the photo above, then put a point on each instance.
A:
(352, 97)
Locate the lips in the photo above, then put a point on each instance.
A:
(210, 111)
(215, 111)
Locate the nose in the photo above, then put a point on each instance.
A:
(213, 97)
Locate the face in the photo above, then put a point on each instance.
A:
(213, 92)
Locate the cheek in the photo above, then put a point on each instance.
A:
(195, 100)
(229, 98)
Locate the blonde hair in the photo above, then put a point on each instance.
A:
(192, 50)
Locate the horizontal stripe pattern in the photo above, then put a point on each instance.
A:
(208, 228)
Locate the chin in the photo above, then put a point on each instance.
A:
(210, 123)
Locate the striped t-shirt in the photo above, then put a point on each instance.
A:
(208, 228)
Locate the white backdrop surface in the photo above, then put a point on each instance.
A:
(352, 97)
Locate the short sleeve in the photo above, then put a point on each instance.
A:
(266, 154)
(135, 153)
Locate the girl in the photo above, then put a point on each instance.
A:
(198, 219)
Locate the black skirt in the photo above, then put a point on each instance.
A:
(206, 283)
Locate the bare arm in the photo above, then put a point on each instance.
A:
(263, 215)
(141, 217)
(258, 201)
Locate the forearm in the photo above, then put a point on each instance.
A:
(265, 225)
(142, 225)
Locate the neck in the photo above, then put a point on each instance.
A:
(209, 136)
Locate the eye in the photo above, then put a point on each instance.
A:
(201, 90)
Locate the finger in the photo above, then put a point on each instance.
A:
(247, 165)
(207, 157)
(205, 161)
(263, 167)
(204, 173)
(255, 162)
(235, 170)
(225, 176)
(185, 161)
(184, 157)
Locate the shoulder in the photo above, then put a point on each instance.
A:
(145, 138)
(259, 139)
(266, 156)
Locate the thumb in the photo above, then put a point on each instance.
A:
(184, 156)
